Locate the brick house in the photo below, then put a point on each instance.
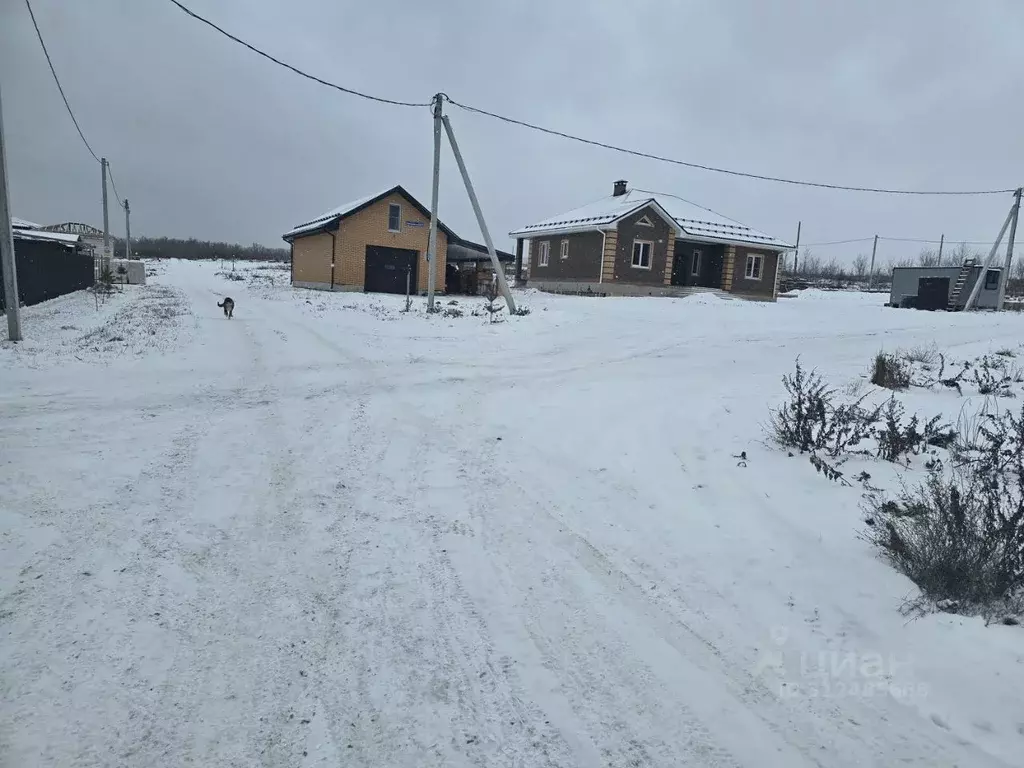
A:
(637, 243)
(375, 244)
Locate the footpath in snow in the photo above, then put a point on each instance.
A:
(327, 532)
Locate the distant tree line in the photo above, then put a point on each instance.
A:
(178, 248)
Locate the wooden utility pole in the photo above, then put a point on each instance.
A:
(942, 241)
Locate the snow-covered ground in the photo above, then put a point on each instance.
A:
(329, 533)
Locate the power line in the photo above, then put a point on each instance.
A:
(702, 167)
(580, 139)
(841, 242)
(947, 241)
(57, 80)
(110, 174)
(296, 70)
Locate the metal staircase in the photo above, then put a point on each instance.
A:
(958, 287)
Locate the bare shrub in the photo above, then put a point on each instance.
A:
(890, 371)
(935, 535)
(897, 441)
(811, 421)
(960, 535)
(924, 354)
(799, 422)
(992, 377)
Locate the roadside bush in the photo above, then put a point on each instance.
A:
(897, 441)
(992, 377)
(812, 422)
(890, 371)
(960, 536)
(935, 534)
(799, 423)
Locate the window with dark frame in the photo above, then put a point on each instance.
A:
(394, 217)
(755, 266)
(695, 271)
(642, 250)
(992, 280)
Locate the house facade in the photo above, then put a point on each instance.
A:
(376, 244)
(636, 243)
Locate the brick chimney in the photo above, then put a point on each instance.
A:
(620, 188)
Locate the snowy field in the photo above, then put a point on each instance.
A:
(327, 533)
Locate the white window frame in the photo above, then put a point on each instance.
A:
(399, 207)
(752, 259)
(698, 257)
(645, 221)
(564, 252)
(650, 254)
(543, 253)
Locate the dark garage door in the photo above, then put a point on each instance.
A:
(386, 269)
(932, 292)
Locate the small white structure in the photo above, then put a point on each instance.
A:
(135, 271)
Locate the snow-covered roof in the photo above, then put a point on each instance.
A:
(334, 213)
(24, 224)
(692, 221)
(326, 221)
(53, 237)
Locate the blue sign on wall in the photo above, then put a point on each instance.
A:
(414, 224)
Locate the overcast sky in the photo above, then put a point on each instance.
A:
(209, 140)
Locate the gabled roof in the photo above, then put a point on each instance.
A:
(329, 221)
(24, 224)
(691, 221)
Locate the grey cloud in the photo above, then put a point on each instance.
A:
(211, 141)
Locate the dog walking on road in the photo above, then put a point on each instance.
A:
(229, 306)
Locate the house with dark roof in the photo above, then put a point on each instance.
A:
(378, 244)
(638, 243)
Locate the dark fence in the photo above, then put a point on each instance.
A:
(47, 270)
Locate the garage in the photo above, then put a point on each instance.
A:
(390, 270)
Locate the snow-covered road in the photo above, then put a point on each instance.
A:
(326, 533)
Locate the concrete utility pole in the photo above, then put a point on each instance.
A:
(796, 253)
(432, 241)
(969, 304)
(498, 271)
(11, 301)
(871, 273)
(127, 231)
(1009, 249)
(106, 219)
